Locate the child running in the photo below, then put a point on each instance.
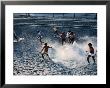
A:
(72, 37)
(91, 53)
(63, 37)
(45, 50)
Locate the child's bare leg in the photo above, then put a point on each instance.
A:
(88, 58)
(43, 55)
(93, 58)
(62, 42)
(48, 56)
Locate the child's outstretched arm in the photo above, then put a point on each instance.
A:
(50, 47)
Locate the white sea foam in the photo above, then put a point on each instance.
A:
(72, 54)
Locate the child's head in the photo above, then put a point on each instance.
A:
(45, 44)
(90, 44)
(63, 32)
(71, 33)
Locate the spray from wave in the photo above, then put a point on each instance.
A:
(72, 55)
